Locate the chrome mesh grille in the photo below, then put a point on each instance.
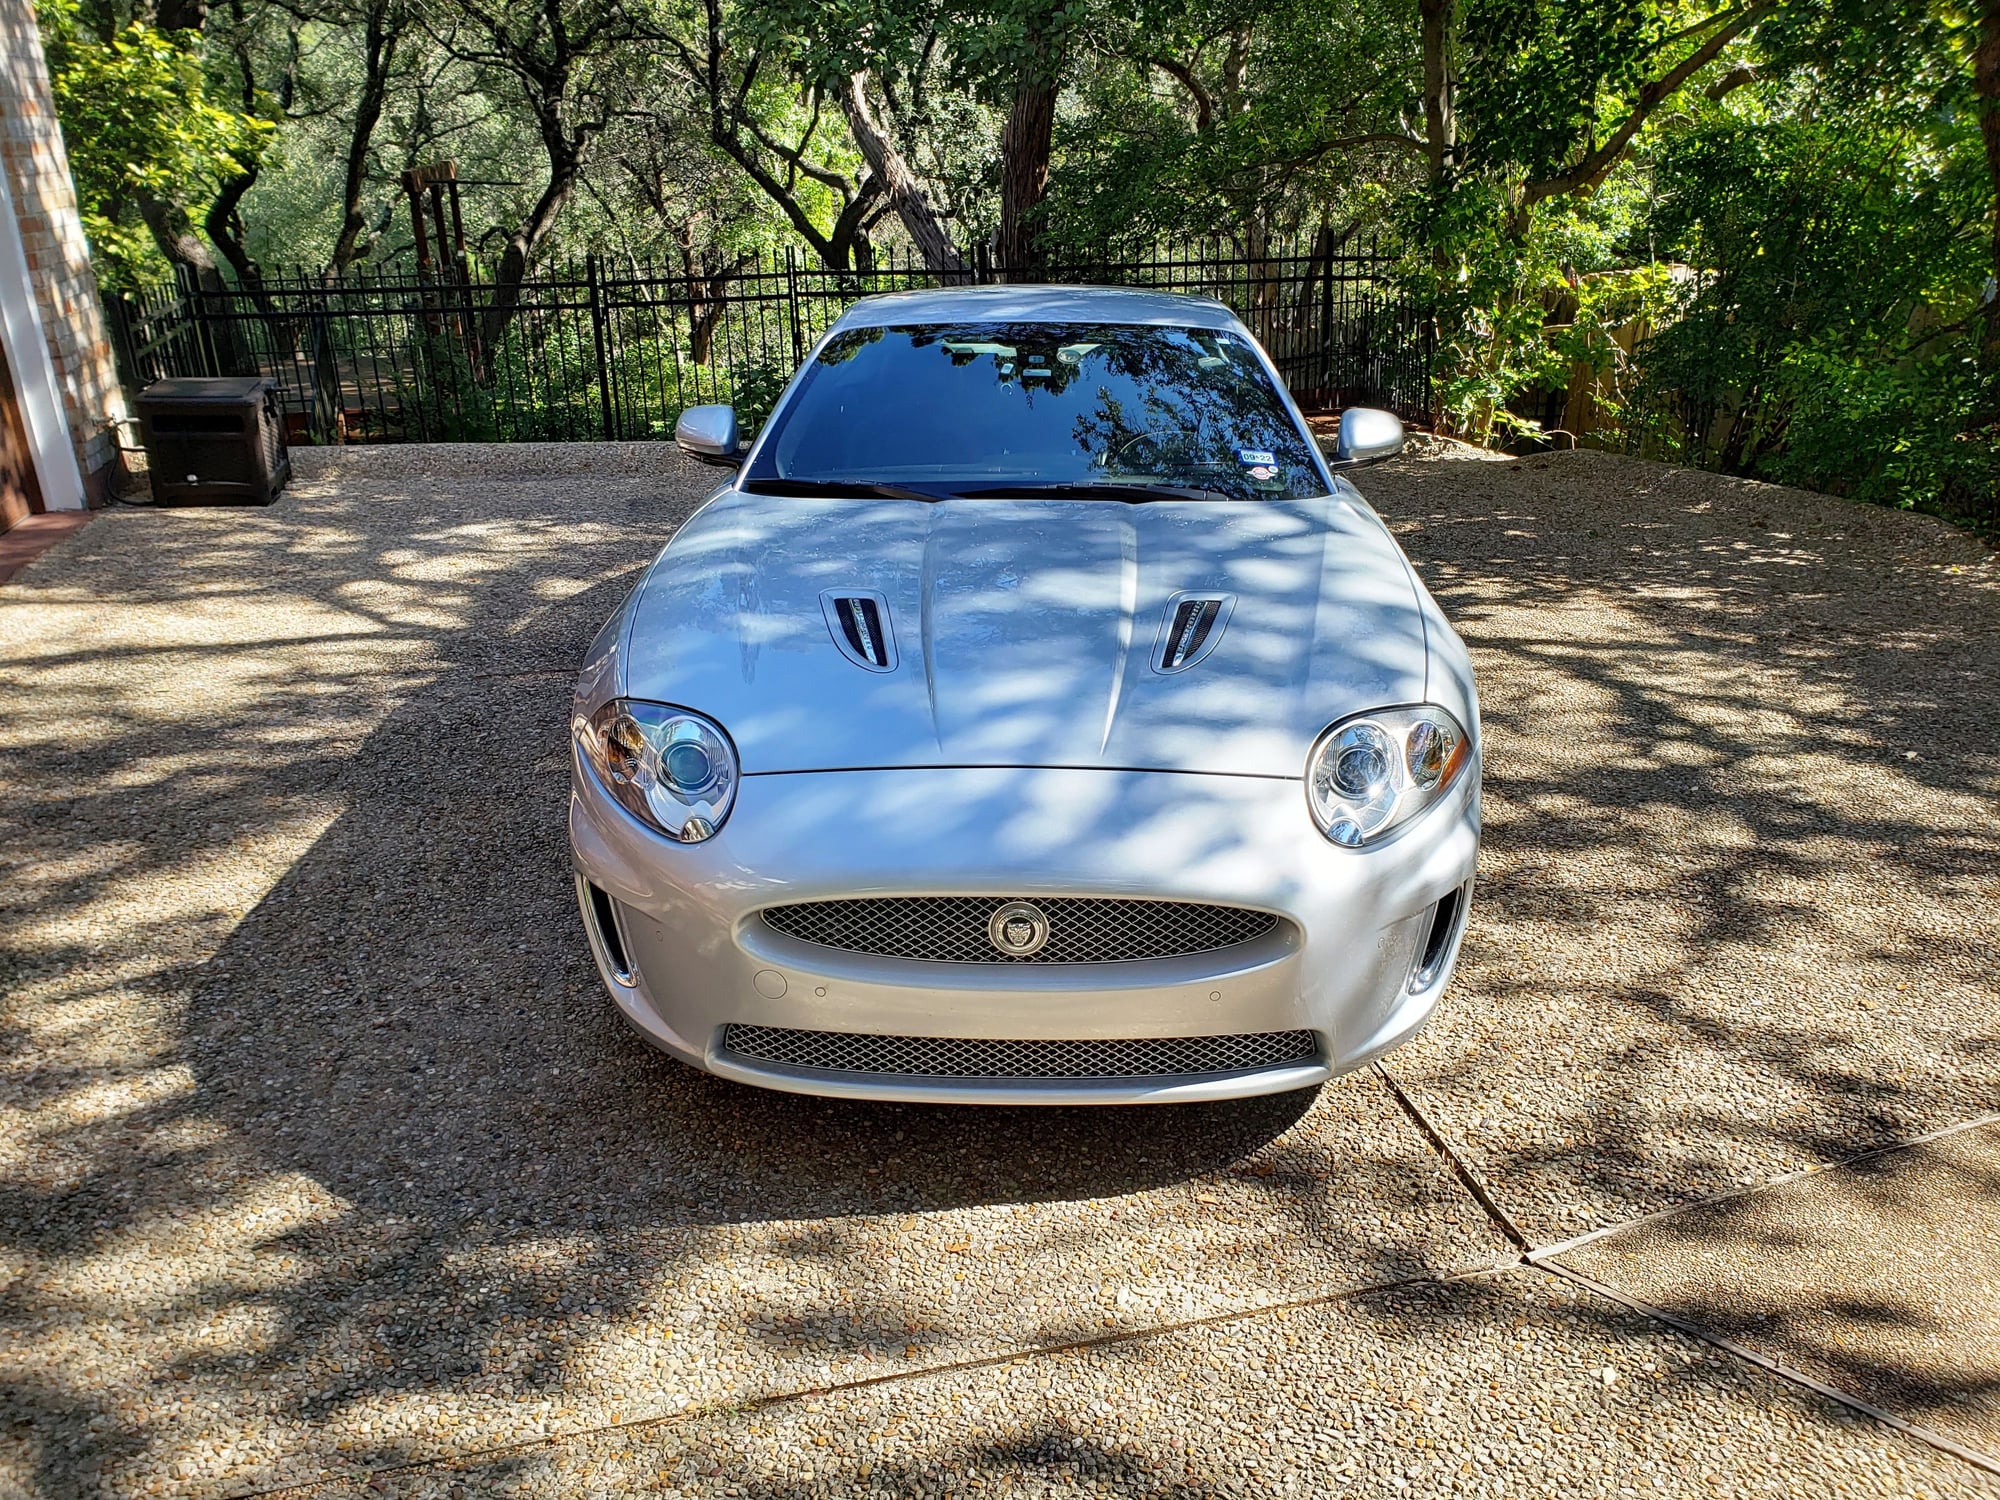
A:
(975, 1057)
(1082, 929)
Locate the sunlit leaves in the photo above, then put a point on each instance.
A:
(138, 118)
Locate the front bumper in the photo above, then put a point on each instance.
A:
(1343, 963)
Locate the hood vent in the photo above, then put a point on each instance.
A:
(1192, 626)
(860, 625)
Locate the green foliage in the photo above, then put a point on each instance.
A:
(1525, 312)
(138, 119)
(758, 386)
(1771, 264)
(1828, 338)
(1541, 76)
(1219, 117)
(999, 43)
(1893, 433)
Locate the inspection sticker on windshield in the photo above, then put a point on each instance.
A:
(1256, 456)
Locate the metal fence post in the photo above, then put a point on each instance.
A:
(190, 291)
(792, 305)
(597, 337)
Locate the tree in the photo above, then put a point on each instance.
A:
(738, 80)
(1986, 86)
(146, 137)
(1016, 53)
(898, 181)
(1553, 93)
(570, 64)
(381, 26)
(857, 54)
(1205, 117)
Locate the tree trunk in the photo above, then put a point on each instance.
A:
(1025, 146)
(708, 279)
(180, 15)
(175, 234)
(906, 194)
(565, 164)
(1440, 102)
(1986, 83)
(380, 53)
(225, 232)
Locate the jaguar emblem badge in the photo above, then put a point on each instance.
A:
(1018, 929)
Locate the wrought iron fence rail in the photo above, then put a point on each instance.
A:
(616, 350)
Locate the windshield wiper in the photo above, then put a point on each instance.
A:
(1131, 494)
(838, 489)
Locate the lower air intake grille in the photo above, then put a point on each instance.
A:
(963, 1057)
(1081, 929)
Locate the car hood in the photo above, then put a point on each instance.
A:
(1026, 633)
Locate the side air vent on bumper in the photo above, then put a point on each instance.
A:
(1441, 940)
(971, 929)
(600, 921)
(1000, 1060)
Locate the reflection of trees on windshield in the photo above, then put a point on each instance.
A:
(1184, 436)
(840, 350)
(1043, 403)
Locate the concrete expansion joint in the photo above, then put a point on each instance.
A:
(1530, 1258)
(1502, 1220)
(777, 1399)
(1767, 1364)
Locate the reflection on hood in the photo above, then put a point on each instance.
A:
(1026, 633)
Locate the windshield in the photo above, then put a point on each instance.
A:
(1019, 407)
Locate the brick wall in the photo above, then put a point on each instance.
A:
(37, 167)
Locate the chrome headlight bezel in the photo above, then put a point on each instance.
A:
(671, 768)
(1370, 775)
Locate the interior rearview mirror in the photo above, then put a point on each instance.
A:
(1367, 434)
(709, 434)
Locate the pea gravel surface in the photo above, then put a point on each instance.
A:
(322, 1155)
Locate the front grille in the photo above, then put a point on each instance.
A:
(983, 1058)
(1081, 929)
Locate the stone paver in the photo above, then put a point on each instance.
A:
(321, 1154)
(1881, 1278)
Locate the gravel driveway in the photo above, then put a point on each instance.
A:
(324, 1163)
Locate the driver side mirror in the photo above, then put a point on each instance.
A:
(1367, 434)
(709, 434)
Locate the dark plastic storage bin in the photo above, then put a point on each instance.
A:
(214, 442)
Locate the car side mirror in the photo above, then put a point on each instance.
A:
(709, 434)
(1367, 434)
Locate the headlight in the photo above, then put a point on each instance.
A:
(1371, 774)
(670, 769)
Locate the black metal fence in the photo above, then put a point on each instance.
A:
(596, 350)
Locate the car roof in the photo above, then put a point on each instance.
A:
(1038, 304)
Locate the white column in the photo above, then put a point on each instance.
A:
(34, 372)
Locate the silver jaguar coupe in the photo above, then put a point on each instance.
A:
(1032, 717)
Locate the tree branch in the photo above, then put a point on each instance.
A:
(1181, 73)
(1596, 164)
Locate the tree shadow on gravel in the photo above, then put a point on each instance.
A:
(1876, 1278)
(381, 1140)
(1486, 1384)
(1742, 824)
(1742, 831)
(391, 1149)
